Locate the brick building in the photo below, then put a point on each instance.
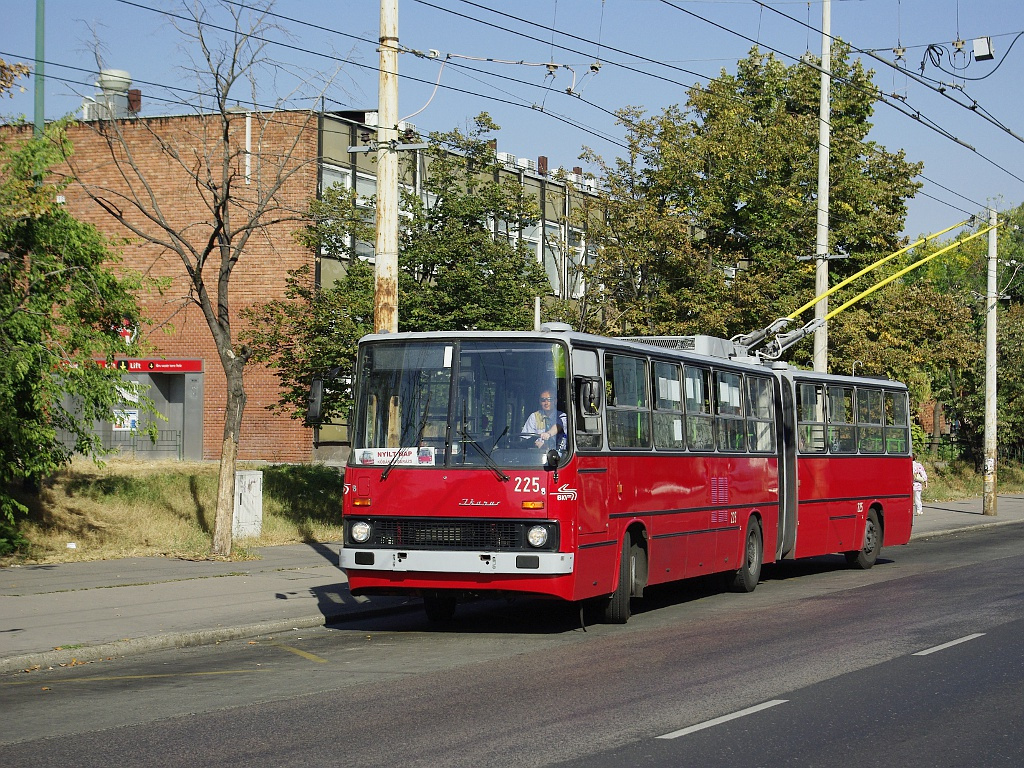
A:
(306, 152)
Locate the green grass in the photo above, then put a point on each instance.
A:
(959, 480)
(133, 508)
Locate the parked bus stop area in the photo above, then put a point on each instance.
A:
(76, 613)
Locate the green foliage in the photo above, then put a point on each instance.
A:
(950, 322)
(308, 492)
(311, 330)
(453, 273)
(60, 306)
(729, 182)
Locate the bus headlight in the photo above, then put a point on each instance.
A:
(360, 532)
(537, 536)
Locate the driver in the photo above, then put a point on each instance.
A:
(547, 423)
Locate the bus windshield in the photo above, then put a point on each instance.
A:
(460, 403)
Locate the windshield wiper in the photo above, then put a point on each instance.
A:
(391, 464)
(491, 463)
(419, 440)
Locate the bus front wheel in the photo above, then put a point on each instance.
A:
(617, 609)
(866, 556)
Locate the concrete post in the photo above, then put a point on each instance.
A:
(991, 307)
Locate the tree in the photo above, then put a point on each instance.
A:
(454, 273)
(310, 329)
(716, 200)
(962, 273)
(239, 198)
(61, 306)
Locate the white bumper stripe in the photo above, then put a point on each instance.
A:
(544, 563)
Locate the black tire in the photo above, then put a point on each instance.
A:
(745, 578)
(617, 608)
(440, 604)
(866, 556)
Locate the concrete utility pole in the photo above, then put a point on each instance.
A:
(39, 119)
(821, 238)
(991, 301)
(385, 271)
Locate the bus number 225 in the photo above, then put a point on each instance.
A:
(527, 485)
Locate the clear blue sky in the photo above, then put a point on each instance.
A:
(665, 47)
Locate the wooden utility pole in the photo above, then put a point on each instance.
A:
(991, 311)
(821, 237)
(385, 272)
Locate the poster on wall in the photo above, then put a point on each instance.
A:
(126, 420)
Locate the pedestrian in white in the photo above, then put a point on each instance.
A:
(920, 482)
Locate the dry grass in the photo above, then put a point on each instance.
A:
(948, 481)
(135, 508)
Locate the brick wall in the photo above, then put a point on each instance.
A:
(168, 151)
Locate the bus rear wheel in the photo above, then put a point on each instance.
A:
(866, 556)
(439, 604)
(745, 578)
(617, 609)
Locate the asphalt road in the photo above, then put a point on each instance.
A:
(819, 664)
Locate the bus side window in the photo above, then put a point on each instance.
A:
(729, 411)
(842, 434)
(700, 431)
(810, 407)
(628, 409)
(668, 407)
(869, 420)
(760, 414)
(897, 423)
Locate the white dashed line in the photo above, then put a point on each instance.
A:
(951, 643)
(723, 719)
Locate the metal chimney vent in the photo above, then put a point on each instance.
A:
(114, 101)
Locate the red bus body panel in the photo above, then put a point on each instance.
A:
(835, 495)
(694, 511)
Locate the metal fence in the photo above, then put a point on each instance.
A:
(168, 444)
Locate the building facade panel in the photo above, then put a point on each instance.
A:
(175, 326)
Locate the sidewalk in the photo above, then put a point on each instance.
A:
(51, 614)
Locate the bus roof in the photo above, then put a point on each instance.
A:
(708, 349)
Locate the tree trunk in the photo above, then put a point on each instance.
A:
(937, 413)
(224, 518)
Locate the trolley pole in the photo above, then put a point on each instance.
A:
(992, 299)
(385, 270)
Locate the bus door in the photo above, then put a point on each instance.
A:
(785, 415)
(592, 469)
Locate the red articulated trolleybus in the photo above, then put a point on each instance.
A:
(587, 468)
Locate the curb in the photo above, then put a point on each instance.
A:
(93, 653)
(961, 529)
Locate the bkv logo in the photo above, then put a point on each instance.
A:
(565, 493)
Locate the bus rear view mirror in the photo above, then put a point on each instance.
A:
(588, 396)
(551, 459)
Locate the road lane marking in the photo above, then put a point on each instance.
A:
(950, 644)
(723, 719)
(299, 652)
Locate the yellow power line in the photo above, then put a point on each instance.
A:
(870, 267)
(904, 271)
